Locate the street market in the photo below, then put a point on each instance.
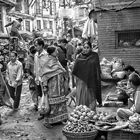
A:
(72, 74)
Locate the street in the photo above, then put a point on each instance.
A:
(23, 125)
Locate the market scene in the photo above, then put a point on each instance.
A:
(69, 70)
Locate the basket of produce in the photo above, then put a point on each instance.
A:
(78, 126)
(80, 131)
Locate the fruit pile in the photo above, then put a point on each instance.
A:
(79, 120)
(79, 127)
(104, 117)
(134, 122)
(81, 113)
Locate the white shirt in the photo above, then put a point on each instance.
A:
(39, 61)
(14, 73)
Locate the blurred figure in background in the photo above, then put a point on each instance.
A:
(16, 24)
(29, 70)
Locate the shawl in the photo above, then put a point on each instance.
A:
(51, 68)
(87, 69)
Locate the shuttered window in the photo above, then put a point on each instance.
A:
(45, 24)
(38, 6)
(127, 39)
(38, 24)
(27, 24)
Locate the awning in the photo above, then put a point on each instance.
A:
(17, 15)
(8, 2)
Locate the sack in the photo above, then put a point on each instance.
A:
(44, 107)
(117, 65)
(119, 74)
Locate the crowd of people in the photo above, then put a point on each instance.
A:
(50, 69)
(58, 69)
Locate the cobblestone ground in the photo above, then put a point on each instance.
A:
(23, 125)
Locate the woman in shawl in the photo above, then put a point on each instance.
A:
(55, 86)
(87, 70)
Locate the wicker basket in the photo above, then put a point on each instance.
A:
(80, 136)
(121, 135)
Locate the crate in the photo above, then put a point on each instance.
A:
(122, 135)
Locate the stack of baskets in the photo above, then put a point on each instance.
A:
(80, 136)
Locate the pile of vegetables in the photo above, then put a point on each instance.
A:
(79, 127)
(79, 120)
(81, 113)
(134, 122)
(104, 117)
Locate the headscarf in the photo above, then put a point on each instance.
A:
(51, 68)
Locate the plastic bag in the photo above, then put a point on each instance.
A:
(44, 107)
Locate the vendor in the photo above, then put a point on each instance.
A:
(128, 70)
(134, 82)
(124, 94)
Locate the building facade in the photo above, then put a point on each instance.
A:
(119, 30)
(5, 6)
(39, 15)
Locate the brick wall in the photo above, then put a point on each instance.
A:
(108, 23)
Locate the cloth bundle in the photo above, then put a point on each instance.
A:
(90, 29)
(106, 67)
(112, 69)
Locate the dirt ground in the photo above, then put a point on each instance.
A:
(23, 125)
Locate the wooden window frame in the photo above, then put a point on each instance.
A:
(124, 31)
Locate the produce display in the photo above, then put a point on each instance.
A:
(134, 122)
(79, 127)
(81, 113)
(104, 117)
(79, 120)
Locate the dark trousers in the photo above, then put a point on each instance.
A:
(15, 95)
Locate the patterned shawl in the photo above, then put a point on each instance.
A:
(51, 68)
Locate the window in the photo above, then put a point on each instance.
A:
(38, 7)
(18, 6)
(26, 5)
(50, 8)
(38, 24)
(1, 25)
(27, 25)
(127, 39)
(45, 24)
(51, 24)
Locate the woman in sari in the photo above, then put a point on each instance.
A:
(87, 71)
(55, 86)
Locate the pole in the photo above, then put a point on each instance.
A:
(65, 26)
